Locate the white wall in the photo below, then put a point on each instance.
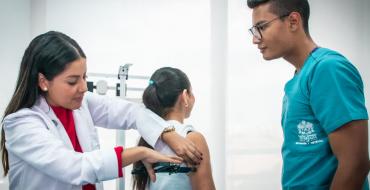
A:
(14, 37)
(254, 94)
(238, 94)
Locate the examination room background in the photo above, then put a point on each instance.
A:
(238, 94)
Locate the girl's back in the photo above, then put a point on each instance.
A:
(178, 181)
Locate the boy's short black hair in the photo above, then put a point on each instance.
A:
(282, 7)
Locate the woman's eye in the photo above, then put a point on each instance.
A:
(71, 83)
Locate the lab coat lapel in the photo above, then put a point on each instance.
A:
(44, 106)
(82, 130)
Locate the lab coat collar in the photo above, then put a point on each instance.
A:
(42, 105)
(81, 126)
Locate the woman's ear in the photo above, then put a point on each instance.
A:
(43, 82)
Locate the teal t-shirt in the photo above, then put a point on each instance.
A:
(326, 94)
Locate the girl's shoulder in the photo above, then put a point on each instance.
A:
(198, 139)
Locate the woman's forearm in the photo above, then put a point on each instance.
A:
(131, 155)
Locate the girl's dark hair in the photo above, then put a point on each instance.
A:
(165, 86)
(48, 54)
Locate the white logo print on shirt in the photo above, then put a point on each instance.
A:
(306, 134)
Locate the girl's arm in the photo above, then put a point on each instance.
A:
(201, 179)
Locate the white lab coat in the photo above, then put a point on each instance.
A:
(41, 155)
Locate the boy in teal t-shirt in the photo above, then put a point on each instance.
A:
(326, 94)
(324, 119)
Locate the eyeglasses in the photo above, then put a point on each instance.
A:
(256, 29)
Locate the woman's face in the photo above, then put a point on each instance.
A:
(67, 89)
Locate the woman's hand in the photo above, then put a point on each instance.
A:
(151, 157)
(183, 148)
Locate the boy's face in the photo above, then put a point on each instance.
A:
(273, 36)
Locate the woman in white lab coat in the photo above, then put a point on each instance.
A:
(49, 140)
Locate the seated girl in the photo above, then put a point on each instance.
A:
(170, 96)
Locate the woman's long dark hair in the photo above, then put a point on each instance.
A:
(48, 54)
(165, 86)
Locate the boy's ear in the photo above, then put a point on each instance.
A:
(295, 20)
